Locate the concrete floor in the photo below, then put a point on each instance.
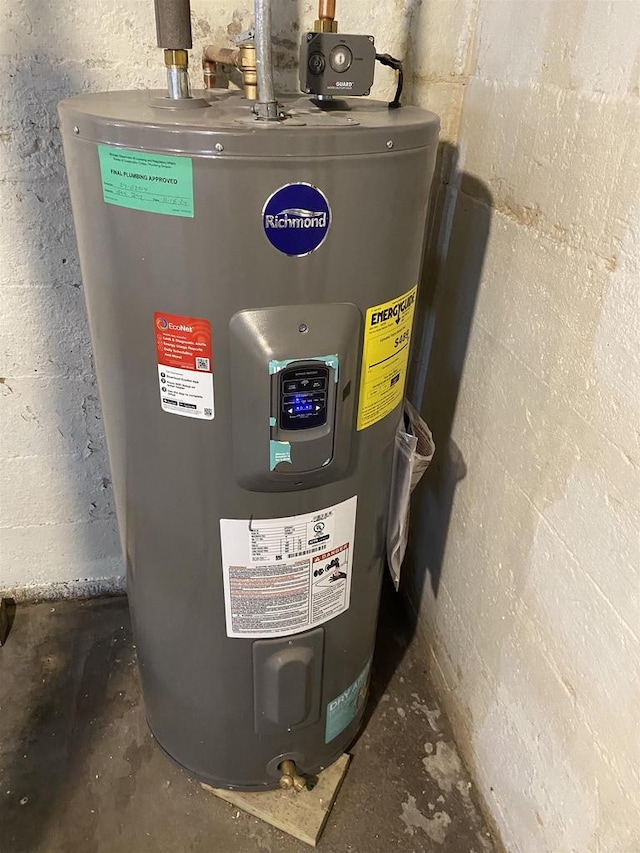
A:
(80, 773)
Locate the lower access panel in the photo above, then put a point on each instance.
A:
(287, 681)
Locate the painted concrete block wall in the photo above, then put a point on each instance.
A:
(58, 530)
(56, 510)
(525, 560)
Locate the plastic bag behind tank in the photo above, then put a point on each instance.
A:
(413, 452)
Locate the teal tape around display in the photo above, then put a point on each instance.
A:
(279, 451)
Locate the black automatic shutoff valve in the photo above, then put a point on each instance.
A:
(336, 64)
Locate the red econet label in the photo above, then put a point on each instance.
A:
(185, 365)
(183, 342)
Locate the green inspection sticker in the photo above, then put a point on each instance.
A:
(342, 710)
(141, 180)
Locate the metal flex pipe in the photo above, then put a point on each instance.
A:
(266, 107)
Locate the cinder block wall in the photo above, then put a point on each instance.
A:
(56, 509)
(525, 560)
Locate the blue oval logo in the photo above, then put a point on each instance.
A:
(296, 219)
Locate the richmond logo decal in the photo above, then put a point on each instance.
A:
(296, 219)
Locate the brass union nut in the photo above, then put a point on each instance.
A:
(176, 58)
(324, 25)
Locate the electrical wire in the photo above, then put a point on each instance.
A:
(396, 64)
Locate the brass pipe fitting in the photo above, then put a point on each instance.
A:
(243, 58)
(324, 25)
(247, 65)
(177, 64)
(290, 777)
(326, 22)
(176, 58)
(217, 66)
(209, 73)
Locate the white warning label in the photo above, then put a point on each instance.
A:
(286, 575)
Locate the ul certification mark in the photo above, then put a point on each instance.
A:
(296, 219)
(185, 366)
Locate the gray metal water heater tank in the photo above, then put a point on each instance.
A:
(250, 289)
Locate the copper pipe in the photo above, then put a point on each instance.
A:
(218, 63)
(211, 75)
(326, 22)
(326, 10)
(223, 55)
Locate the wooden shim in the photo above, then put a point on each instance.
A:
(301, 814)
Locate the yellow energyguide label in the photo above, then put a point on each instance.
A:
(387, 336)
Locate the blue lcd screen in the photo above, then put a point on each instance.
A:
(302, 404)
(303, 401)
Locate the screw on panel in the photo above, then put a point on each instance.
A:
(219, 146)
(76, 129)
(309, 36)
(303, 328)
(370, 38)
(389, 143)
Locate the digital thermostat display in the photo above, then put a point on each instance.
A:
(303, 397)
